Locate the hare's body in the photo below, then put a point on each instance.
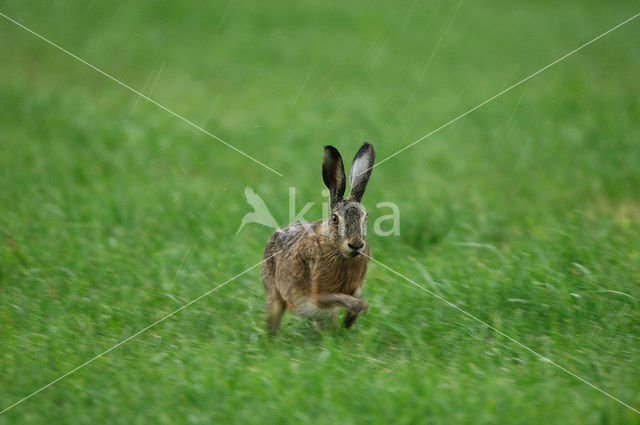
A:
(313, 269)
(305, 267)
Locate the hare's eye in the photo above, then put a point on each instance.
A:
(334, 219)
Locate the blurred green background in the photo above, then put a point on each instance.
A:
(113, 213)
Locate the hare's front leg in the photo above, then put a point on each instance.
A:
(354, 305)
(323, 323)
(350, 317)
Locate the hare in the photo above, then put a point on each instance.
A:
(315, 268)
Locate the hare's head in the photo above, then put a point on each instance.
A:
(347, 221)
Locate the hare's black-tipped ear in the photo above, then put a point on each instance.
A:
(361, 171)
(333, 173)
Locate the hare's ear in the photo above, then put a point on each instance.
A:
(333, 173)
(361, 171)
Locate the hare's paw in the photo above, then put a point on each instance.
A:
(352, 314)
(358, 306)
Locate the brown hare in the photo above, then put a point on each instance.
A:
(315, 268)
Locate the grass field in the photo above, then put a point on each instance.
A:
(114, 213)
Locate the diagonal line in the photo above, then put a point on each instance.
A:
(504, 91)
(306, 80)
(501, 333)
(185, 259)
(175, 114)
(136, 334)
(435, 50)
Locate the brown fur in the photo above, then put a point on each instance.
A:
(314, 268)
(306, 267)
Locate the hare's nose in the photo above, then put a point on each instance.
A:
(356, 246)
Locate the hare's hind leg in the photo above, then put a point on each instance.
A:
(275, 304)
(275, 307)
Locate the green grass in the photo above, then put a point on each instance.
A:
(113, 213)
